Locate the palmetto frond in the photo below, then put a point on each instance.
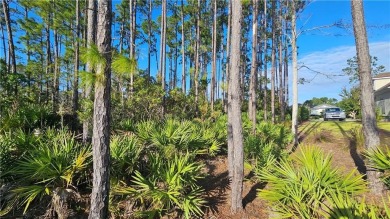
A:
(168, 185)
(299, 186)
(125, 154)
(54, 162)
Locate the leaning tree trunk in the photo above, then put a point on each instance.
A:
(370, 131)
(234, 113)
(101, 116)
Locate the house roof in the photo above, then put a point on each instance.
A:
(323, 106)
(382, 75)
(383, 89)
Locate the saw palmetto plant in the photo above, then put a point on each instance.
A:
(168, 187)
(56, 163)
(298, 186)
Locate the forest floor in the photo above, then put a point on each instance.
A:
(331, 136)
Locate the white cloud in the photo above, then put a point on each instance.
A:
(331, 62)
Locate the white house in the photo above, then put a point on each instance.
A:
(317, 110)
(381, 83)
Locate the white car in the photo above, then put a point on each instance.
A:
(334, 113)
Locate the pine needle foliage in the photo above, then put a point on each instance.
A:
(123, 65)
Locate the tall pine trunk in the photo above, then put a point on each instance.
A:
(183, 54)
(273, 62)
(75, 97)
(253, 77)
(214, 53)
(101, 116)
(265, 96)
(294, 117)
(234, 113)
(11, 47)
(91, 39)
(370, 131)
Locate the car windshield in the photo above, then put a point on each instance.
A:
(333, 110)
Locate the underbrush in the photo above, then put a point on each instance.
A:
(306, 186)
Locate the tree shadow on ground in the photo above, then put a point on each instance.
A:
(252, 194)
(357, 159)
(215, 187)
(384, 136)
(307, 130)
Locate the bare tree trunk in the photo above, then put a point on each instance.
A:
(163, 49)
(48, 57)
(273, 62)
(101, 117)
(281, 87)
(11, 47)
(149, 37)
(75, 97)
(56, 79)
(370, 131)
(4, 47)
(265, 96)
(214, 52)
(91, 36)
(197, 55)
(253, 78)
(227, 70)
(183, 53)
(133, 17)
(234, 113)
(294, 117)
(286, 93)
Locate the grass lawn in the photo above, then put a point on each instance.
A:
(341, 129)
(384, 125)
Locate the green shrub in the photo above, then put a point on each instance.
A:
(125, 154)
(54, 165)
(297, 187)
(168, 187)
(171, 136)
(380, 160)
(341, 205)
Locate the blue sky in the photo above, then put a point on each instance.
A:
(327, 50)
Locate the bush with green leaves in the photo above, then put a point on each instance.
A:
(266, 145)
(171, 136)
(26, 116)
(125, 151)
(14, 144)
(380, 160)
(167, 187)
(53, 167)
(299, 185)
(341, 205)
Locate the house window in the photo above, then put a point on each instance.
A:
(382, 106)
